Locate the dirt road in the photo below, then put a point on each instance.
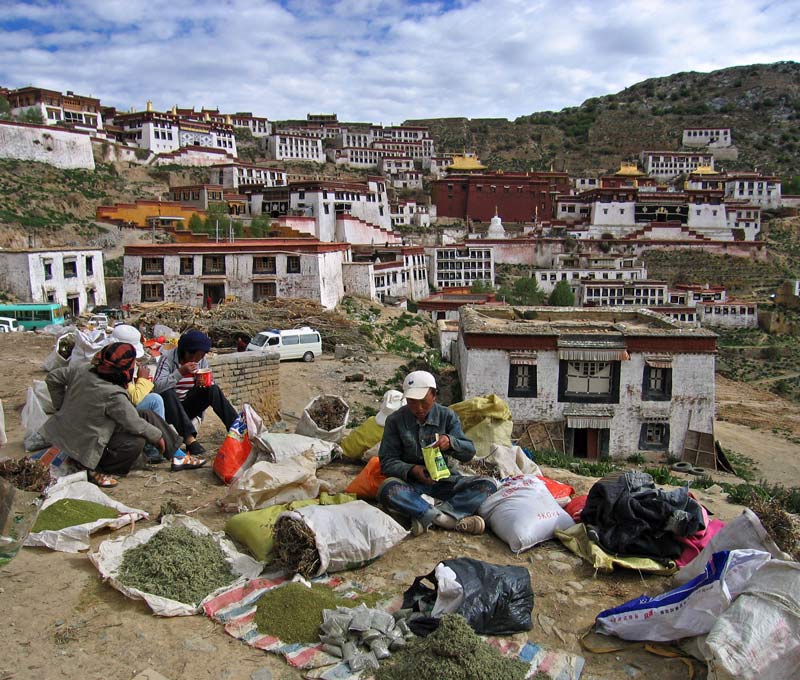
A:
(61, 621)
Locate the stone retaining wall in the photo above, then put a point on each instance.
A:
(250, 378)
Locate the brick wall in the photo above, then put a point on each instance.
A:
(252, 378)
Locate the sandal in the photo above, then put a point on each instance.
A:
(187, 462)
(102, 480)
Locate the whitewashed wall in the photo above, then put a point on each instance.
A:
(60, 148)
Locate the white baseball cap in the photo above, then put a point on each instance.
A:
(127, 333)
(392, 400)
(417, 384)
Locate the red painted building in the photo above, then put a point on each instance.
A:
(516, 197)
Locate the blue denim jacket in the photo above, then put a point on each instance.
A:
(404, 437)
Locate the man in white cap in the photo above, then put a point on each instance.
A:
(423, 423)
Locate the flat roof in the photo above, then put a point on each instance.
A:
(568, 321)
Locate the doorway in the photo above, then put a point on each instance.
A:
(589, 442)
(74, 304)
(215, 291)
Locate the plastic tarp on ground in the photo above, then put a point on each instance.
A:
(76, 538)
(235, 609)
(577, 540)
(110, 553)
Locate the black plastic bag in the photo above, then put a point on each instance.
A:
(498, 600)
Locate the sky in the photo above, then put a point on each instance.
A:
(382, 61)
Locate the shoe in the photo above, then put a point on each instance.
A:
(187, 463)
(101, 480)
(195, 449)
(418, 528)
(471, 525)
(152, 454)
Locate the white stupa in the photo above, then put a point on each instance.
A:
(496, 229)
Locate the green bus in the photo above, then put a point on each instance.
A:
(33, 315)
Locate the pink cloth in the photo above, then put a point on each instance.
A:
(695, 543)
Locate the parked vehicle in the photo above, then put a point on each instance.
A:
(99, 320)
(297, 343)
(9, 325)
(31, 315)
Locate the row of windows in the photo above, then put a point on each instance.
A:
(154, 292)
(589, 381)
(69, 266)
(215, 264)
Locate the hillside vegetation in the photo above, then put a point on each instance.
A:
(761, 103)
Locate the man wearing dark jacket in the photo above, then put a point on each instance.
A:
(424, 423)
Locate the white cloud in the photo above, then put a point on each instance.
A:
(380, 60)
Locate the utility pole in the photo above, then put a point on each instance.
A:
(217, 231)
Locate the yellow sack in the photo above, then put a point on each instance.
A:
(473, 411)
(364, 437)
(490, 431)
(254, 529)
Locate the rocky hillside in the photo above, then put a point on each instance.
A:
(760, 103)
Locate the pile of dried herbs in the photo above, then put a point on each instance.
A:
(328, 412)
(25, 474)
(293, 612)
(70, 512)
(296, 547)
(452, 652)
(177, 564)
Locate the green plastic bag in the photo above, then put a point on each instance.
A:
(435, 463)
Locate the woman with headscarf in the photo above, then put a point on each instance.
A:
(95, 422)
(184, 400)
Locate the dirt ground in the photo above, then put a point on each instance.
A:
(63, 622)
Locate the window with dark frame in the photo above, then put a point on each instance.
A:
(293, 264)
(264, 290)
(657, 383)
(187, 266)
(264, 265)
(654, 436)
(89, 265)
(152, 292)
(48, 269)
(152, 265)
(522, 378)
(589, 381)
(70, 269)
(213, 264)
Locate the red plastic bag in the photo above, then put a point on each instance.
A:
(557, 489)
(234, 450)
(575, 507)
(368, 481)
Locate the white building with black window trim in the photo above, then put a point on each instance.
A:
(72, 277)
(617, 381)
(248, 270)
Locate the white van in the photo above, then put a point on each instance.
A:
(298, 343)
(9, 325)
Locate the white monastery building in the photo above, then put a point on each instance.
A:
(617, 381)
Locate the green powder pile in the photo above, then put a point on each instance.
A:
(177, 564)
(452, 652)
(293, 612)
(69, 512)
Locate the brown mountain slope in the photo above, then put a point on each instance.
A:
(761, 103)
